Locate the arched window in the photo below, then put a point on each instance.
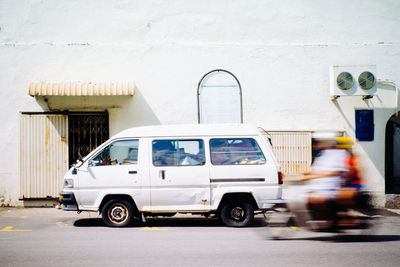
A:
(219, 98)
(392, 159)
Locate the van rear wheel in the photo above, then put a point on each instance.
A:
(117, 213)
(237, 214)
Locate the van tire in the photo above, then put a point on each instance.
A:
(237, 214)
(117, 213)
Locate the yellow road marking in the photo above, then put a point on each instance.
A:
(24, 217)
(287, 228)
(152, 229)
(10, 229)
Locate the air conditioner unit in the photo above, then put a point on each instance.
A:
(353, 81)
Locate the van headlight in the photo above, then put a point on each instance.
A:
(68, 183)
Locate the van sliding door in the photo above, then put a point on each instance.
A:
(179, 177)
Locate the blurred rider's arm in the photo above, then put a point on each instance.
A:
(309, 176)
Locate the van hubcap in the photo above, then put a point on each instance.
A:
(118, 213)
(237, 213)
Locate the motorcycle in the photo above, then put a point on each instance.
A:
(355, 215)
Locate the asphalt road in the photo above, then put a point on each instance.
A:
(50, 237)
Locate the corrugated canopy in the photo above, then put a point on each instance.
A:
(81, 89)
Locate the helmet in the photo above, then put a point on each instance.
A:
(345, 142)
(324, 139)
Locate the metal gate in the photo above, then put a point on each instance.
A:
(86, 132)
(293, 151)
(43, 155)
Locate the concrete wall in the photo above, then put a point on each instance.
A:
(279, 50)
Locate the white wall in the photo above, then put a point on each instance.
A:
(279, 50)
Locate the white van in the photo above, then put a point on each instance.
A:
(226, 170)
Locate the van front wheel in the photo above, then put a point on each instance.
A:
(117, 213)
(237, 214)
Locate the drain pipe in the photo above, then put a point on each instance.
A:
(393, 83)
(397, 99)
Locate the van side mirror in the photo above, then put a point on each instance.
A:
(79, 160)
(78, 163)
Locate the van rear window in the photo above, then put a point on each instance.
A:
(178, 152)
(236, 151)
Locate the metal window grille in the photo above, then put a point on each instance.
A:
(86, 132)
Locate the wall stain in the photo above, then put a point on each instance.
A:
(47, 133)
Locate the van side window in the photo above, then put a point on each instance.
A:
(235, 151)
(118, 153)
(178, 152)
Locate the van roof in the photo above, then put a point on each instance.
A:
(189, 130)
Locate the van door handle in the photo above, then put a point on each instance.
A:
(162, 174)
(132, 172)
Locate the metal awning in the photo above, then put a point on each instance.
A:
(81, 89)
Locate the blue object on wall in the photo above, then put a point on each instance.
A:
(365, 125)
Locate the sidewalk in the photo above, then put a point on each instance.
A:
(44, 212)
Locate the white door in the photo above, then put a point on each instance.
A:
(114, 170)
(179, 176)
(219, 98)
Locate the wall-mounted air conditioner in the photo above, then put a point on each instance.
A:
(353, 81)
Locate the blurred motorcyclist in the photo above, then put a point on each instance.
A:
(333, 181)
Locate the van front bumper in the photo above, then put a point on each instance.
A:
(67, 199)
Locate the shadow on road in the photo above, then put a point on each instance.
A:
(351, 238)
(164, 222)
(90, 222)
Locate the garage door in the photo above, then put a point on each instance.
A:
(43, 155)
(293, 151)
